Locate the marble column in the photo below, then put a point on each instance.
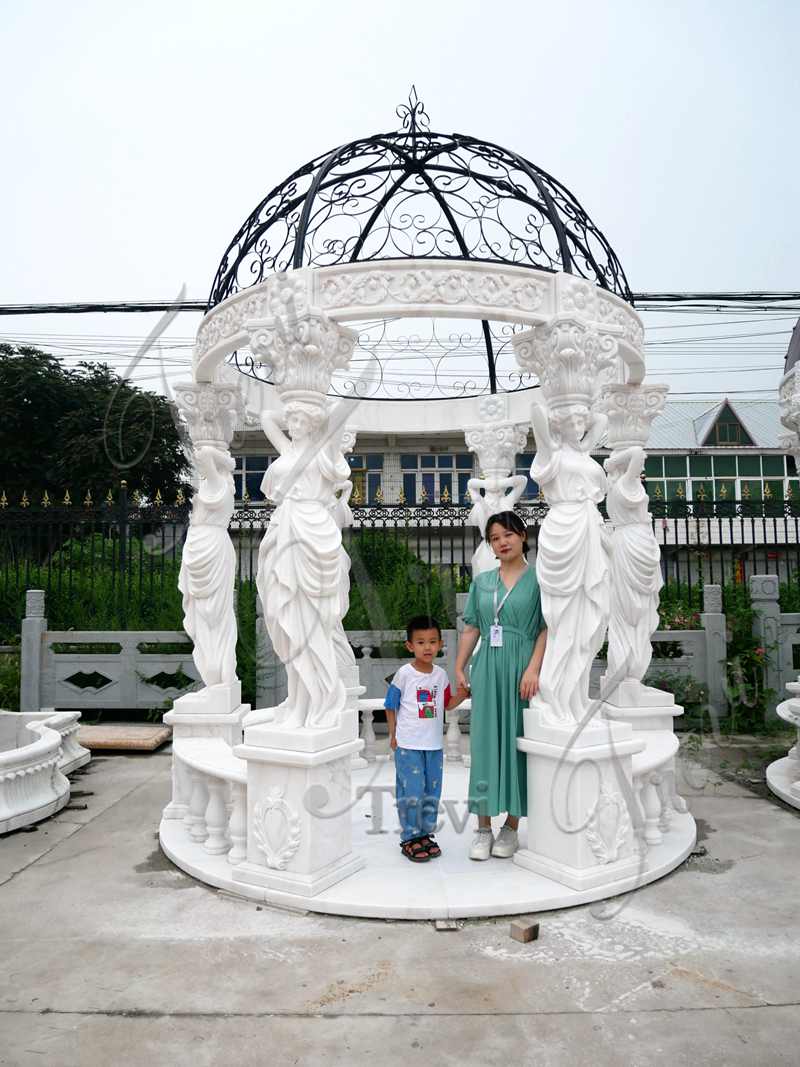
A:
(496, 441)
(299, 753)
(206, 580)
(580, 773)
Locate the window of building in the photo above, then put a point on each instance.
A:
(247, 477)
(654, 467)
(700, 466)
(773, 466)
(724, 466)
(435, 478)
(728, 430)
(523, 466)
(366, 474)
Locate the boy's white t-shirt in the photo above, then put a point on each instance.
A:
(418, 700)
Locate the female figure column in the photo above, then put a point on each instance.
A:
(300, 561)
(572, 560)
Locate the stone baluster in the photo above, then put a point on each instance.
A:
(197, 806)
(181, 791)
(453, 752)
(368, 734)
(237, 826)
(651, 803)
(216, 816)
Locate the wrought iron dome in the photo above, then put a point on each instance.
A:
(423, 195)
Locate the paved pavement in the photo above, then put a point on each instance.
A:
(110, 956)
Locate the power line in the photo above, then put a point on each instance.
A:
(704, 300)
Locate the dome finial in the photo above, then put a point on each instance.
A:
(413, 114)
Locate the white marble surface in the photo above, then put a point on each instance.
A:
(783, 779)
(451, 887)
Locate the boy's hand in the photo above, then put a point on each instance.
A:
(393, 742)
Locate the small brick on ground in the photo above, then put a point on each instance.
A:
(524, 929)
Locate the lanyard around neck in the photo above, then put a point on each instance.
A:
(498, 607)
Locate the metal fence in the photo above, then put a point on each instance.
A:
(117, 563)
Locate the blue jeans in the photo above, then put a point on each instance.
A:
(419, 787)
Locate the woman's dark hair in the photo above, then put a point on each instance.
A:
(510, 521)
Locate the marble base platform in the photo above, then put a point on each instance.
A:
(783, 779)
(451, 887)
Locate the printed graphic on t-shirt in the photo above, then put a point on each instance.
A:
(425, 702)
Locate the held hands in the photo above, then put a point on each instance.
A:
(461, 680)
(529, 684)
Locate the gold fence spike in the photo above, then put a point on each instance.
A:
(356, 496)
(46, 500)
(158, 500)
(87, 500)
(180, 498)
(109, 498)
(444, 496)
(137, 498)
(401, 499)
(24, 503)
(67, 498)
(379, 495)
(3, 500)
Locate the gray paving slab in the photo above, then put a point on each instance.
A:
(112, 956)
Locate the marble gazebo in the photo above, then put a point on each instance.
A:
(275, 804)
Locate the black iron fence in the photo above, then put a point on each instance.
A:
(114, 565)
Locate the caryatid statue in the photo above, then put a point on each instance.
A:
(496, 442)
(343, 516)
(636, 578)
(300, 558)
(208, 559)
(572, 567)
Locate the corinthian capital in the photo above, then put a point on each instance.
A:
(301, 345)
(496, 445)
(210, 410)
(571, 358)
(631, 410)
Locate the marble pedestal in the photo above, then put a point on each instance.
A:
(215, 711)
(299, 806)
(580, 795)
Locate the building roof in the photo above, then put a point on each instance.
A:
(685, 424)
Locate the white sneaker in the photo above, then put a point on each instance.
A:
(481, 847)
(506, 843)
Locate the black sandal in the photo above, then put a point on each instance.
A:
(429, 844)
(415, 850)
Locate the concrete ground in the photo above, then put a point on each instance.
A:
(110, 956)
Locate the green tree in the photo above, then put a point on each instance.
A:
(82, 428)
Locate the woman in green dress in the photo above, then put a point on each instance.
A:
(503, 610)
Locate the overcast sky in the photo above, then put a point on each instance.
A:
(136, 138)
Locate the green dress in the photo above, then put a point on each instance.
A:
(498, 775)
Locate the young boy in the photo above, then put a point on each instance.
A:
(418, 696)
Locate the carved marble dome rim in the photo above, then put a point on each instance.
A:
(421, 288)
